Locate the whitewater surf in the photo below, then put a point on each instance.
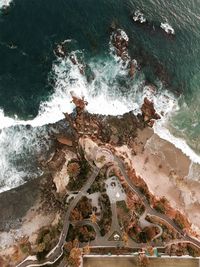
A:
(27, 142)
(110, 92)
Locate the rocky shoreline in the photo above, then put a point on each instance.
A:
(155, 167)
(126, 136)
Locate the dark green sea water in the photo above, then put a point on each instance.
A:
(30, 30)
(35, 26)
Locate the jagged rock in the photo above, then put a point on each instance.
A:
(80, 103)
(119, 40)
(132, 69)
(148, 111)
(65, 141)
(75, 61)
(57, 161)
(60, 51)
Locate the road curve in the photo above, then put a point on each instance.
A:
(57, 251)
(150, 210)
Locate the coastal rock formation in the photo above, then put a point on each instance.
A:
(119, 47)
(65, 141)
(60, 51)
(101, 138)
(75, 61)
(59, 169)
(148, 111)
(133, 66)
(79, 102)
(119, 40)
(105, 142)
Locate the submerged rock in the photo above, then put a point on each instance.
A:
(139, 17)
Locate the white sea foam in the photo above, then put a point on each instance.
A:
(105, 97)
(5, 3)
(102, 96)
(106, 94)
(20, 148)
(139, 16)
(167, 28)
(166, 104)
(161, 129)
(19, 144)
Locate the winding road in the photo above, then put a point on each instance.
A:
(57, 251)
(150, 211)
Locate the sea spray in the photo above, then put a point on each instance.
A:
(5, 3)
(22, 149)
(110, 92)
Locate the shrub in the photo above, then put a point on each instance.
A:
(73, 169)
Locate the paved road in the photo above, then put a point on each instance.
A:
(151, 211)
(57, 251)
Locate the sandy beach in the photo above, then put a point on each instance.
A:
(166, 171)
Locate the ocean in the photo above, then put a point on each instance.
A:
(35, 85)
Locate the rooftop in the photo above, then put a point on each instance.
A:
(117, 261)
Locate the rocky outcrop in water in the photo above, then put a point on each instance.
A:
(148, 111)
(119, 47)
(120, 40)
(80, 103)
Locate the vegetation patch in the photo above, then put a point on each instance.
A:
(106, 216)
(84, 233)
(83, 210)
(47, 239)
(78, 171)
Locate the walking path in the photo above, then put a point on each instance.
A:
(57, 251)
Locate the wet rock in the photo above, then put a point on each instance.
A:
(132, 69)
(119, 40)
(75, 61)
(148, 111)
(79, 102)
(65, 141)
(60, 51)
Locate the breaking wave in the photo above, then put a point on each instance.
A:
(4, 3)
(108, 90)
(21, 147)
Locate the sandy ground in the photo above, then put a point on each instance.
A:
(132, 262)
(31, 223)
(21, 215)
(165, 169)
(61, 178)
